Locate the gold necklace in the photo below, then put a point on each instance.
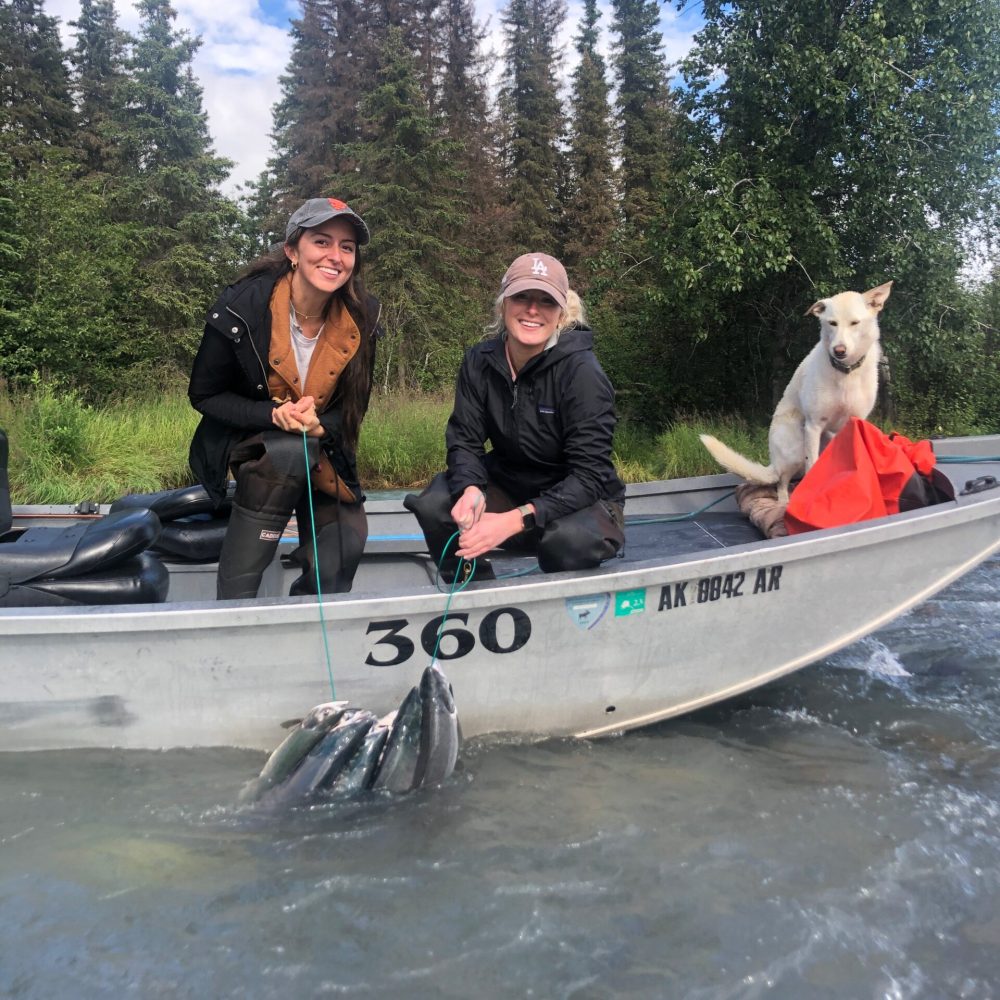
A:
(291, 301)
(299, 315)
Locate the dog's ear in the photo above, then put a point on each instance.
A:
(875, 297)
(816, 309)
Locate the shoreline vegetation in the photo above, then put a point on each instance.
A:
(64, 451)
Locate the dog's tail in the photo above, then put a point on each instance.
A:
(736, 463)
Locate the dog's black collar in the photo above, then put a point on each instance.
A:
(846, 369)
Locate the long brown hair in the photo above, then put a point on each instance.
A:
(354, 385)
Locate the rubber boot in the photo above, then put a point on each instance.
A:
(340, 548)
(432, 509)
(247, 550)
(583, 539)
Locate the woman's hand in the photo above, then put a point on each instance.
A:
(469, 508)
(487, 533)
(297, 417)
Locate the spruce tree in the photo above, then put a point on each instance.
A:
(166, 150)
(317, 110)
(99, 74)
(533, 126)
(187, 235)
(13, 250)
(468, 120)
(408, 189)
(590, 205)
(36, 113)
(645, 109)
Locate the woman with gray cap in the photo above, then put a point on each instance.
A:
(537, 393)
(290, 347)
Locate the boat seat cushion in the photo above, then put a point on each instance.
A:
(6, 515)
(141, 579)
(192, 527)
(168, 505)
(76, 550)
(192, 539)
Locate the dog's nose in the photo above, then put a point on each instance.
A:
(840, 350)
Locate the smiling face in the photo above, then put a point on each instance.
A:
(324, 260)
(531, 317)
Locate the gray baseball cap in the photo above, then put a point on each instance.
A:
(316, 211)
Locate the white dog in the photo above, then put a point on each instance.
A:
(837, 380)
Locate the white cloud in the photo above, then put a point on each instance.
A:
(243, 54)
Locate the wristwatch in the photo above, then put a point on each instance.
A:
(527, 518)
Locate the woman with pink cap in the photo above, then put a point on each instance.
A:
(536, 393)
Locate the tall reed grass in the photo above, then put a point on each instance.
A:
(402, 441)
(64, 451)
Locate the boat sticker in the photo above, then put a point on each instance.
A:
(502, 630)
(587, 611)
(630, 602)
(722, 587)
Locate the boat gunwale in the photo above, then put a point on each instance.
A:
(428, 600)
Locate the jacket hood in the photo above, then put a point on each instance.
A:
(571, 341)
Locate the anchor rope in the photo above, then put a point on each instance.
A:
(683, 517)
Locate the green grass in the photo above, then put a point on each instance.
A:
(63, 451)
(402, 441)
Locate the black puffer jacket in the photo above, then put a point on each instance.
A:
(228, 384)
(551, 431)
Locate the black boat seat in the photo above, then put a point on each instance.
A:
(6, 514)
(100, 562)
(192, 527)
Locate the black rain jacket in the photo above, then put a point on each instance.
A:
(228, 385)
(551, 431)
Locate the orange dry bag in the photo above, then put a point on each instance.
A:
(863, 473)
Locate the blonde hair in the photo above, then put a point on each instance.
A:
(573, 315)
(575, 312)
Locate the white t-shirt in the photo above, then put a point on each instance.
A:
(303, 347)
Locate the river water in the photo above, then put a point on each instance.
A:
(833, 835)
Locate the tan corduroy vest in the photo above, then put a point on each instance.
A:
(337, 344)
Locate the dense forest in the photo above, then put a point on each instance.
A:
(802, 147)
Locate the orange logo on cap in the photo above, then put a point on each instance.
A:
(337, 204)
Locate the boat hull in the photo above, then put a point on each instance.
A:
(564, 654)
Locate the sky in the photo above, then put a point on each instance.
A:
(245, 49)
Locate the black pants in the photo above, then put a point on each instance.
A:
(580, 540)
(271, 483)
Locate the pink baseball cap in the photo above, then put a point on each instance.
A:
(538, 272)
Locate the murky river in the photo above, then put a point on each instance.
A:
(833, 835)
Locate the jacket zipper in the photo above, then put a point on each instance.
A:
(246, 325)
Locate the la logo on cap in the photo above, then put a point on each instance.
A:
(539, 267)
(337, 204)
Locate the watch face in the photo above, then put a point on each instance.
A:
(527, 519)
